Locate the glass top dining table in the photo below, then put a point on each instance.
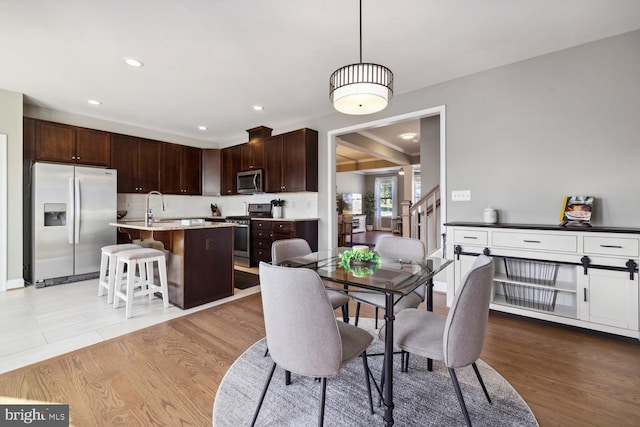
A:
(393, 277)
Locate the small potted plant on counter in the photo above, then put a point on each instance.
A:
(277, 207)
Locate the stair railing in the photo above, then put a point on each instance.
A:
(424, 219)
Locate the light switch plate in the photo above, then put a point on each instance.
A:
(461, 196)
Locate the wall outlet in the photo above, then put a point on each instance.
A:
(461, 196)
(208, 244)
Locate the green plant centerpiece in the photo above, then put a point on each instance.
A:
(359, 262)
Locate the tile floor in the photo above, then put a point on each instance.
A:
(37, 324)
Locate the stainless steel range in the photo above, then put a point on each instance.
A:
(242, 231)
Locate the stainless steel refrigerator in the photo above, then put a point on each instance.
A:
(72, 209)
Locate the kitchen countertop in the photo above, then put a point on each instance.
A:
(168, 225)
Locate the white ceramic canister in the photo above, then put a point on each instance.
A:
(490, 215)
(277, 212)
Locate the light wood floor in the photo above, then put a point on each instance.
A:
(168, 374)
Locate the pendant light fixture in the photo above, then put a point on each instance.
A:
(401, 172)
(361, 88)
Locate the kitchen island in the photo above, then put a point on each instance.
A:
(199, 257)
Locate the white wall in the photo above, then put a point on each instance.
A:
(11, 125)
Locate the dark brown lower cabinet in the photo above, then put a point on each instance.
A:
(199, 263)
(265, 232)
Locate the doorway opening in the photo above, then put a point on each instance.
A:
(330, 208)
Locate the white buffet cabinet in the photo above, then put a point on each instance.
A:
(572, 275)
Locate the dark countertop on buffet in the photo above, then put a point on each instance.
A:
(550, 227)
(285, 219)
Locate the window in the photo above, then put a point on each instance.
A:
(385, 191)
(417, 188)
(386, 199)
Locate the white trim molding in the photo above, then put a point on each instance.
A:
(331, 163)
(4, 241)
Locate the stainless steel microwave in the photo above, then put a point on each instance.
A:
(250, 182)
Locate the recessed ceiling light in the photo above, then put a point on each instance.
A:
(258, 107)
(202, 127)
(408, 136)
(94, 102)
(133, 62)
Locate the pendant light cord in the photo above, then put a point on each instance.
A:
(361, 31)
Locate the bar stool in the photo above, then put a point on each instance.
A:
(108, 268)
(143, 260)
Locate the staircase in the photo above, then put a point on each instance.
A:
(422, 220)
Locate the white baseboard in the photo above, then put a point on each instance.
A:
(15, 284)
(440, 286)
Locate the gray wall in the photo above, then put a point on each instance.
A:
(523, 136)
(350, 182)
(519, 137)
(429, 153)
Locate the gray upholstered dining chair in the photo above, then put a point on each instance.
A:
(306, 338)
(456, 339)
(395, 247)
(285, 249)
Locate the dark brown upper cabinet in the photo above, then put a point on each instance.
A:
(138, 163)
(57, 142)
(291, 162)
(211, 171)
(181, 169)
(231, 165)
(253, 152)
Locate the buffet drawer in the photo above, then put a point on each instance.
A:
(470, 237)
(617, 246)
(550, 242)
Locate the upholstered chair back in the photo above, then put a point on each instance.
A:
(284, 249)
(301, 326)
(467, 319)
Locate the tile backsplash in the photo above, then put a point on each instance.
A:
(297, 205)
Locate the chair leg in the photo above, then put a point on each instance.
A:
(376, 317)
(486, 393)
(322, 399)
(345, 312)
(456, 385)
(404, 359)
(365, 365)
(264, 392)
(357, 313)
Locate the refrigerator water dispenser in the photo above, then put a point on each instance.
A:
(55, 214)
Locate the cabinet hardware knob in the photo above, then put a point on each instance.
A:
(585, 264)
(631, 267)
(469, 237)
(611, 246)
(585, 294)
(531, 241)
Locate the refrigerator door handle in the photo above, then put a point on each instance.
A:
(72, 212)
(76, 214)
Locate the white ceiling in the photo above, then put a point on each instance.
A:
(207, 62)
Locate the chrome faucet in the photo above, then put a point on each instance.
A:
(148, 215)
